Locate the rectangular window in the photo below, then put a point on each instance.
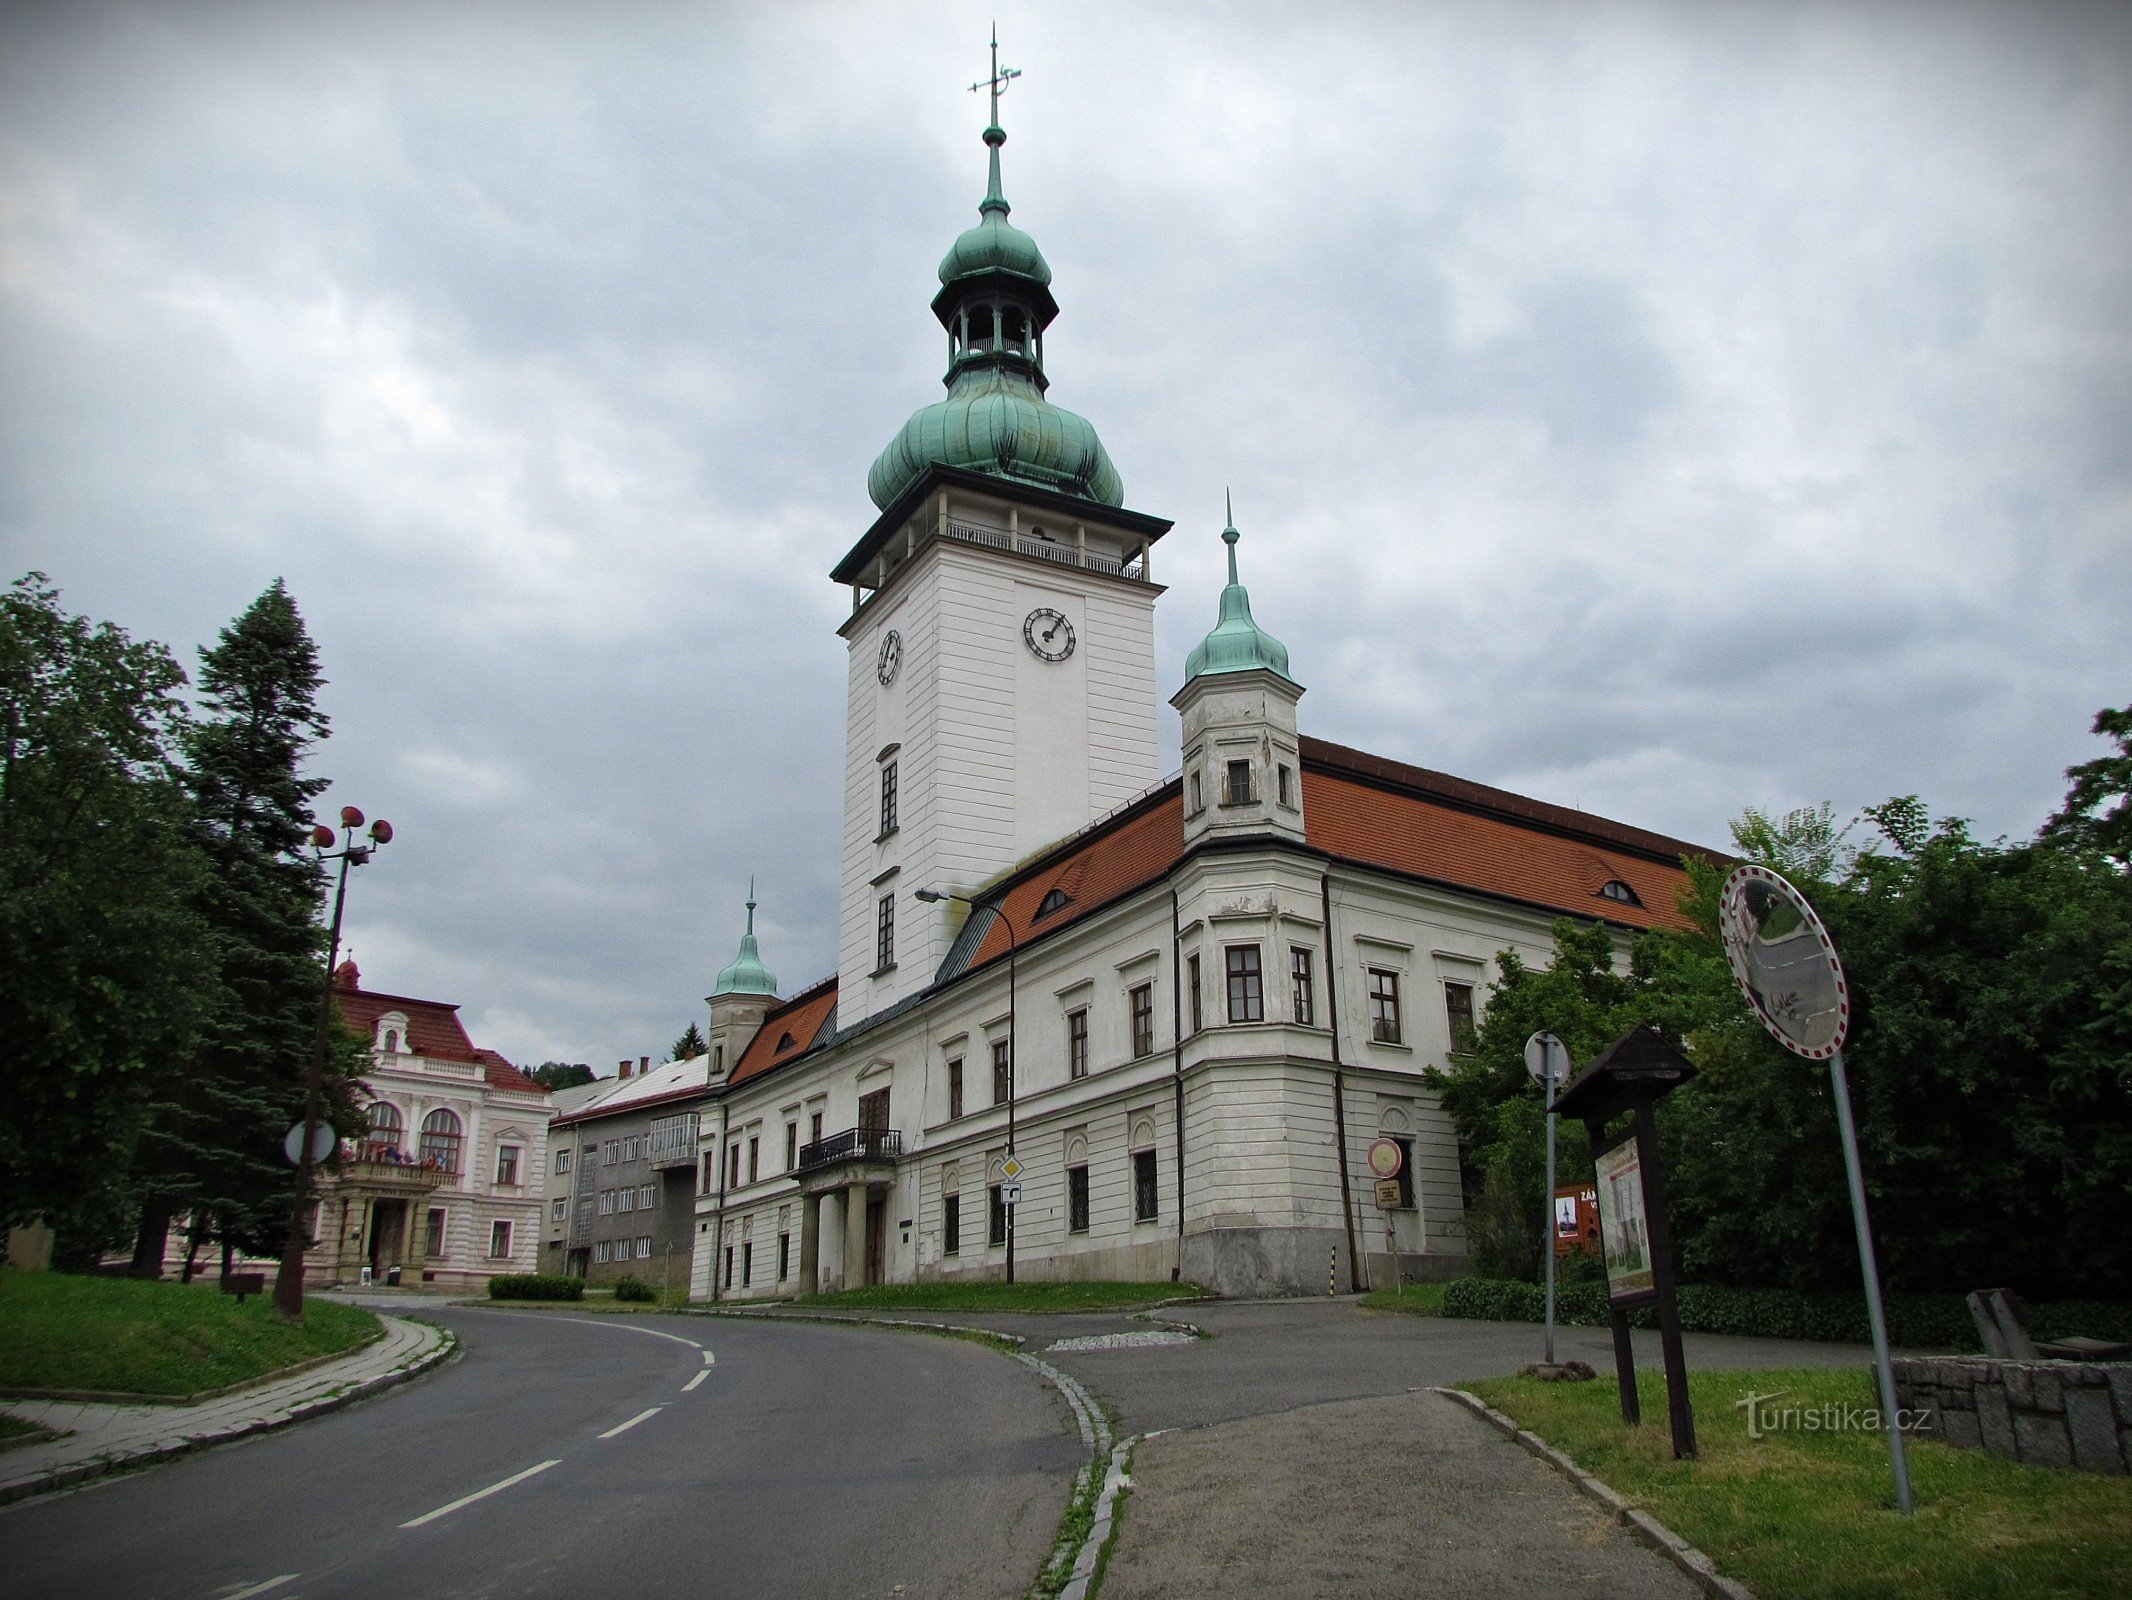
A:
(1147, 1200)
(885, 933)
(718, 1059)
(602, 1252)
(1002, 1070)
(1287, 780)
(606, 1202)
(955, 1088)
(561, 1210)
(732, 1166)
(708, 1169)
(814, 1128)
(1306, 1004)
(1406, 1173)
(1191, 978)
(644, 1247)
(784, 1257)
(997, 1231)
(625, 1199)
(499, 1240)
(747, 1265)
(1458, 1011)
(1143, 1009)
(1236, 787)
(888, 798)
(433, 1234)
(951, 1225)
(729, 1266)
(873, 1112)
(562, 1162)
(1077, 1043)
(1198, 801)
(792, 1150)
(754, 1157)
(1384, 1006)
(1247, 989)
(584, 1214)
(630, 1147)
(610, 1152)
(507, 1165)
(1076, 1199)
(647, 1196)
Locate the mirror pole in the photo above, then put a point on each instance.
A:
(1883, 1368)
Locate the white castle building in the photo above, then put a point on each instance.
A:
(1087, 1023)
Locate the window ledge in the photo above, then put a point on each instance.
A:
(1391, 1044)
(887, 833)
(879, 971)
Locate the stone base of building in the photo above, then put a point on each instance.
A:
(1260, 1263)
(1382, 1270)
(2045, 1413)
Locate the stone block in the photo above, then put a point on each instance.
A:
(1959, 1428)
(2092, 1427)
(2047, 1391)
(2041, 1440)
(2120, 1379)
(1958, 1399)
(1995, 1423)
(2020, 1384)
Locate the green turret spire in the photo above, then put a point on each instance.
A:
(747, 974)
(1237, 644)
(995, 302)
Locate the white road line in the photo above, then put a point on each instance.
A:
(261, 1588)
(709, 1360)
(626, 1327)
(649, 1411)
(698, 1378)
(478, 1494)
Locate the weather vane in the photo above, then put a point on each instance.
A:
(999, 80)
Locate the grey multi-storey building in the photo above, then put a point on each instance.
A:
(621, 1203)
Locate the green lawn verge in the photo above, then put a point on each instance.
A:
(1417, 1299)
(126, 1335)
(16, 1427)
(1800, 1515)
(1098, 1295)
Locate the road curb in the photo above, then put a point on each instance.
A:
(1698, 1567)
(446, 1346)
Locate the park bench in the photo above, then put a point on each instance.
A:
(241, 1284)
(2002, 1326)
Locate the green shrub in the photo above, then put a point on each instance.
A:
(634, 1289)
(1915, 1321)
(536, 1286)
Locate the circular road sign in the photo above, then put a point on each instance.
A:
(1385, 1158)
(1785, 962)
(323, 1140)
(1536, 1051)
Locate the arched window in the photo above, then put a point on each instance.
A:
(392, 1033)
(385, 1130)
(1615, 889)
(441, 1140)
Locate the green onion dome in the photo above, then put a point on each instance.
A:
(747, 974)
(1238, 643)
(995, 419)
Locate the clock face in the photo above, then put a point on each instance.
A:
(1048, 634)
(891, 658)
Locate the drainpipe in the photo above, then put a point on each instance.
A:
(1177, 1074)
(718, 1235)
(1332, 1011)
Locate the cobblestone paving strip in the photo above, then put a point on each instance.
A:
(107, 1438)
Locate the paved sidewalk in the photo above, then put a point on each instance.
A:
(102, 1438)
(1402, 1495)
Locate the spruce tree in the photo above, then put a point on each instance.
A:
(214, 1144)
(689, 1046)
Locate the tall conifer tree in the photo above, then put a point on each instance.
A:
(214, 1143)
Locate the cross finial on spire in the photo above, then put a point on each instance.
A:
(1229, 535)
(751, 902)
(999, 80)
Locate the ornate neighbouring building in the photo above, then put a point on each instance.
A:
(1134, 1027)
(447, 1186)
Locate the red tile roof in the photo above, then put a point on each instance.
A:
(798, 1020)
(1372, 812)
(433, 1028)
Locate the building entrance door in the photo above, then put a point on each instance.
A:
(877, 1237)
(388, 1221)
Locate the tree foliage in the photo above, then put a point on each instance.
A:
(561, 1074)
(690, 1045)
(101, 938)
(1990, 1059)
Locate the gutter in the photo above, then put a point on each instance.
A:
(1332, 1017)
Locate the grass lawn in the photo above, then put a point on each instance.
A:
(58, 1331)
(1795, 1514)
(1091, 1296)
(1421, 1299)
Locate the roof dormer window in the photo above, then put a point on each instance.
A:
(1053, 903)
(392, 1034)
(1615, 889)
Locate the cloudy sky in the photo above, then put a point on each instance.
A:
(1661, 409)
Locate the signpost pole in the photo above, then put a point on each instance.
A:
(1550, 1047)
(1883, 1368)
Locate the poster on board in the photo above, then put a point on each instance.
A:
(1623, 1229)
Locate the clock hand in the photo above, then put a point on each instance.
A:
(1052, 632)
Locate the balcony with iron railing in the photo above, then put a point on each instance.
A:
(853, 1144)
(378, 1164)
(672, 1142)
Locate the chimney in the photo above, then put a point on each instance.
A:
(643, 1065)
(625, 1066)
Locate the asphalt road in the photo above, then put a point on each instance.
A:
(808, 1461)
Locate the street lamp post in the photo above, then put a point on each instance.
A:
(289, 1283)
(934, 897)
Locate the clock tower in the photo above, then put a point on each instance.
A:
(1002, 637)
